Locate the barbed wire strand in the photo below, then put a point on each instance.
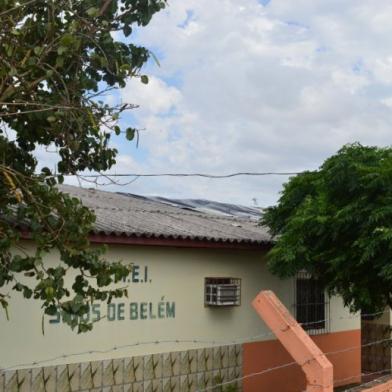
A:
(254, 374)
(212, 342)
(291, 364)
(138, 344)
(353, 388)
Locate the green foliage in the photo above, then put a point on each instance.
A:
(57, 60)
(336, 223)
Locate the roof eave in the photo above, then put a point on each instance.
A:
(100, 238)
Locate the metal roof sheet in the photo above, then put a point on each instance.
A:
(130, 215)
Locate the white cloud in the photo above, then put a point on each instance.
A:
(155, 97)
(259, 88)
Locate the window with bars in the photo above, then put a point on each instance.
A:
(312, 304)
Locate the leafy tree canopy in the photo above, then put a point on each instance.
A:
(336, 223)
(58, 58)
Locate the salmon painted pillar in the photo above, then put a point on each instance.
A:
(317, 368)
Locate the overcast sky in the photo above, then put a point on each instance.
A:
(245, 85)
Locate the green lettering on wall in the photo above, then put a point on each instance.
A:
(145, 274)
(135, 274)
(96, 310)
(170, 309)
(111, 314)
(161, 310)
(143, 310)
(56, 319)
(86, 316)
(151, 311)
(69, 318)
(133, 313)
(120, 311)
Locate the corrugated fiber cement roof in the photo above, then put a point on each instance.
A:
(133, 216)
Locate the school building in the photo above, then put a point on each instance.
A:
(187, 323)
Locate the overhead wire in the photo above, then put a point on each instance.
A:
(17, 6)
(203, 175)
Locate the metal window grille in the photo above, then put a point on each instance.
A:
(312, 305)
(222, 292)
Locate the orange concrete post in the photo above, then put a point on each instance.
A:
(317, 368)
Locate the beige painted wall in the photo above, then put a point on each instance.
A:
(384, 318)
(178, 276)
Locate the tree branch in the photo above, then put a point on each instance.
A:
(104, 7)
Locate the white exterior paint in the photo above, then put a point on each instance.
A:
(178, 275)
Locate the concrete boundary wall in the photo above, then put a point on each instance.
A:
(179, 371)
(386, 387)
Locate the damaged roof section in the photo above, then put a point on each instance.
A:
(140, 217)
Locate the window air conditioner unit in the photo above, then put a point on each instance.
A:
(222, 292)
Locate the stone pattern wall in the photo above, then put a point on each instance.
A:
(181, 371)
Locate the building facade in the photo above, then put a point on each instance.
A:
(169, 335)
